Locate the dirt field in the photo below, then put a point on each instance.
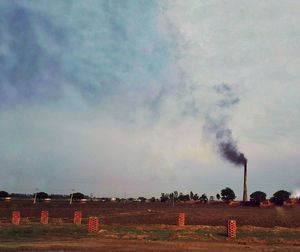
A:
(69, 237)
(160, 213)
(142, 246)
(149, 227)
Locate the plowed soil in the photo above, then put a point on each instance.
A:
(158, 213)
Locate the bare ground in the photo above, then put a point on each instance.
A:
(96, 244)
(159, 213)
(150, 227)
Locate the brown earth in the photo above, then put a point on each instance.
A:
(157, 213)
(140, 245)
(150, 227)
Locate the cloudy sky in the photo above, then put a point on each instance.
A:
(114, 97)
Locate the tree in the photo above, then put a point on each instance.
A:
(164, 197)
(257, 197)
(227, 194)
(218, 196)
(191, 195)
(78, 196)
(195, 197)
(3, 194)
(203, 198)
(21, 196)
(184, 197)
(59, 196)
(41, 196)
(142, 199)
(152, 199)
(280, 196)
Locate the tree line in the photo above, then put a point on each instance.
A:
(226, 195)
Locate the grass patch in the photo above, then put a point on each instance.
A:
(183, 232)
(128, 230)
(74, 231)
(40, 231)
(161, 234)
(209, 233)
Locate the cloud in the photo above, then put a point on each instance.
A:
(62, 150)
(112, 96)
(101, 50)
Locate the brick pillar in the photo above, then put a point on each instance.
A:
(93, 225)
(16, 217)
(44, 217)
(77, 217)
(181, 220)
(231, 228)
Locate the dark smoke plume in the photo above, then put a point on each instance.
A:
(229, 150)
(227, 146)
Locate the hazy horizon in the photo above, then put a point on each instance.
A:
(128, 97)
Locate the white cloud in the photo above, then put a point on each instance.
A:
(148, 138)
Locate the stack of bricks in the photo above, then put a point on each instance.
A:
(16, 217)
(44, 217)
(231, 229)
(93, 225)
(77, 217)
(181, 220)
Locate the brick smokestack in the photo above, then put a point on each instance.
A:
(245, 194)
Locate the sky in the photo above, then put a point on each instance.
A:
(123, 97)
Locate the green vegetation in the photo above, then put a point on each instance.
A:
(42, 195)
(20, 233)
(257, 197)
(3, 194)
(36, 231)
(203, 198)
(169, 234)
(227, 194)
(280, 196)
(210, 233)
(78, 196)
(127, 230)
(161, 234)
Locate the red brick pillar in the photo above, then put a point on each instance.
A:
(93, 225)
(16, 217)
(44, 217)
(231, 228)
(77, 217)
(181, 220)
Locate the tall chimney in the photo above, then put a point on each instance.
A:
(245, 196)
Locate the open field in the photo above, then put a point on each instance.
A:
(159, 213)
(149, 227)
(69, 237)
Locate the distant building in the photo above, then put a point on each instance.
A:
(266, 203)
(7, 199)
(291, 201)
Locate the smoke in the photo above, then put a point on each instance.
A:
(217, 127)
(229, 150)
